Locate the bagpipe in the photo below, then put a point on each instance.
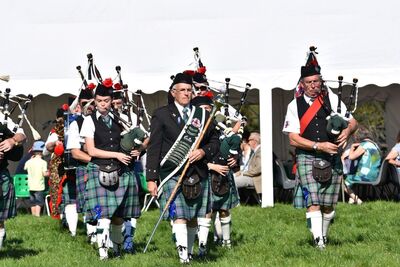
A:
(132, 136)
(336, 121)
(16, 153)
(231, 137)
(226, 120)
(225, 117)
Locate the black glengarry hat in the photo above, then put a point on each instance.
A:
(86, 94)
(310, 70)
(312, 66)
(182, 78)
(102, 90)
(199, 78)
(118, 95)
(202, 100)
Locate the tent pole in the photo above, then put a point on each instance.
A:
(266, 148)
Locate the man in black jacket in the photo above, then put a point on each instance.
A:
(174, 131)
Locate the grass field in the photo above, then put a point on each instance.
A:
(366, 235)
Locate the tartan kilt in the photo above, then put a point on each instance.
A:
(80, 188)
(185, 209)
(230, 200)
(68, 190)
(309, 192)
(7, 202)
(101, 202)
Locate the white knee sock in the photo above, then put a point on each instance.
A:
(226, 229)
(71, 216)
(181, 236)
(116, 236)
(192, 231)
(91, 232)
(103, 236)
(314, 223)
(326, 221)
(204, 228)
(217, 227)
(2, 236)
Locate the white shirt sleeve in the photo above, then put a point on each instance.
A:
(74, 139)
(88, 128)
(292, 122)
(53, 137)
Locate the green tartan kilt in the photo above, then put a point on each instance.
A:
(229, 200)
(309, 192)
(80, 188)
(68, 190)
(181, 208)
(101, 202)
(7, 201)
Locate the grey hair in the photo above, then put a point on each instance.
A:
(256, 136)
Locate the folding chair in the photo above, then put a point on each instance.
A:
(380, 185)
(252, 193)
(143, 185)
(21, 185)
(22, 194)
(394, 178)
(282, 181)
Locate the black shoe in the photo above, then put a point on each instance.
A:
(116, 251)
(202, 251)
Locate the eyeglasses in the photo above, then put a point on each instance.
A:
(317, 82)
(202, 88)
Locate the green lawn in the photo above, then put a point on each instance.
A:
(366, 235)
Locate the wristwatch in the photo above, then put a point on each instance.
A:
(16, 143)
(315, 146)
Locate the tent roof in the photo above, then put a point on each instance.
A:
(261, 42)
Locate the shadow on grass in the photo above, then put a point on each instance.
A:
(14, 251)
(310, 242)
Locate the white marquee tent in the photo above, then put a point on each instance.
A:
(261, 42)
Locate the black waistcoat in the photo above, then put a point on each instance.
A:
(316, 129)
(106, 139)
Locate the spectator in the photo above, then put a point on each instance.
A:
(368, 155)
(394, 155)
(37, 170)
(252, 176)
(246, 151)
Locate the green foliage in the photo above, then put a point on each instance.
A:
(252, 112)
(371, 115)
(363, 235)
